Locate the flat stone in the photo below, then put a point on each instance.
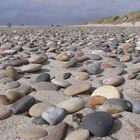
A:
(72, 105)
(14, 96)
(24, 89)
(37, 109)
(38, 59)
(54, 115)
(107, 92)
(60, 82)
(12, 85)
(96, 100)
(5, 113)
(79, 134)
(114, 71)
(117, 64)
(38, 121)
(44, 86)
(82, 59)
(79, 88)
(113, 80)
(4, 100)
(23, 105)
(33, 133)
(58, 132)
(82, 76)
(106, 66)
(98, 123)
(71, 63)
(95, 57)
(19, 62)
(62, 57)
(116, 106)
(43, 77)
(12, 73)
(31, 68)
(136, 107)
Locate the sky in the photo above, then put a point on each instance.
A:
(44, 12)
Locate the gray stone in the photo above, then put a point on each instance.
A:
(43, 77)
(136, 106)
(95, 57)
(98, 123)
(54, 115)
(116, 106)
(94, 68)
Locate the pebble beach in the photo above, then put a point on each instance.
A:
(70, 83)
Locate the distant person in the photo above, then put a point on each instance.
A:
(9, 25)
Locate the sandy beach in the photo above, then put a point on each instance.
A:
(86, 70)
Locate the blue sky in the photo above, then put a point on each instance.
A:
(41, 12)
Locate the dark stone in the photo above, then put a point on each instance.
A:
(98, 123)
(67, 75)
(23, 104)
(43, 77)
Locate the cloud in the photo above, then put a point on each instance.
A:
(62, 11)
